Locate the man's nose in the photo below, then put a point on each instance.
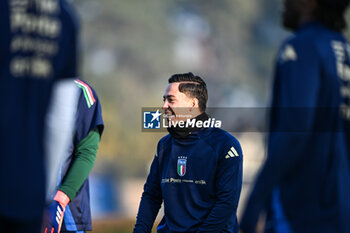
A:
(165, 105)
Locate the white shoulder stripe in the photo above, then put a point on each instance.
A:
(234, 151)
(231, 153)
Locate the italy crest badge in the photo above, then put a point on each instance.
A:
(181, 165)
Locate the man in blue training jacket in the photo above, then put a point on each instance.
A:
(304, 183)
(196, 171)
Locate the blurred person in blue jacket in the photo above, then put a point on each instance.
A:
(196, 172)
(71, 197)
(304, 185)
(38, 45)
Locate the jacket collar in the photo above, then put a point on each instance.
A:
(186, 132)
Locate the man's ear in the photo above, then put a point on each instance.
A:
(195, 103)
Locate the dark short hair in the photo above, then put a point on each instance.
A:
(193, 86)
(331, 13)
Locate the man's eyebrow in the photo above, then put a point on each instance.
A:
(167, 96)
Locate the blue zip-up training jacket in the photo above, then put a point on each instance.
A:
(199, 178)
(307, 167)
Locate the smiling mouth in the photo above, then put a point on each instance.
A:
(169, 113)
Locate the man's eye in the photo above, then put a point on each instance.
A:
(171, 100)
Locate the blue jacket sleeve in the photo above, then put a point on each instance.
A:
(228, 186)
(294, 102)
(151, 200)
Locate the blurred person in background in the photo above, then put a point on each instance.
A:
(38, 46)
(70, 208)
(304, 183)
(197, 171)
